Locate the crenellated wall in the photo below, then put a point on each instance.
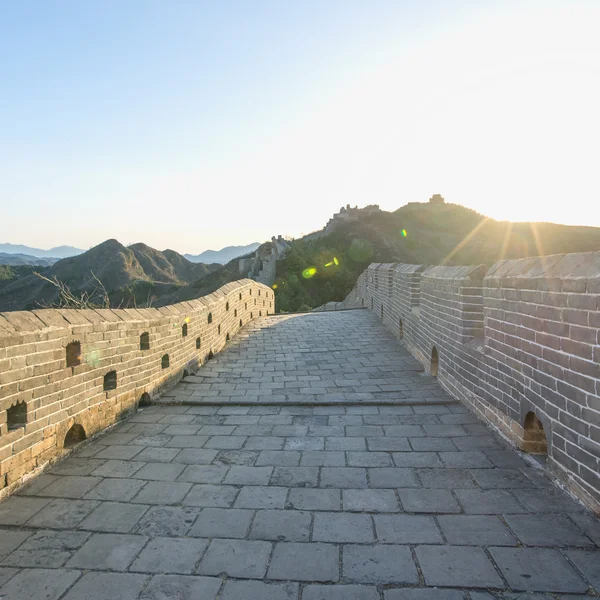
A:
(518, 343)
(58, 367)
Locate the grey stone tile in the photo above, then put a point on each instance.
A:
(71, 486)
(119, 452)
(295, 476)
(189, 442)
(316, 458)
(117, 517)
(369, 459)
(37, 485)
(466, 460)
(489, 502)
(477, 442)
(47, 549)
(180, 430)
(195, 456)
(39, 584)
(506, 459)
(155, 454)
(545, 501)
(350, 477)
(107, 586)
(404, 431)
(457, 566)
(537, 570)
(432, 444)
(476, 530)
(304, 443)
(407, 529)
(588, 562)
(416, 459)
(115, 489)
(547, 530)
(365, 500)
(180, 587)
(6, 574)
(345, 443)
(342, 528)
(236, 457)
(364, 431)
(304, 562)
(203, 474)
(75, 466)
(257, 590)
(388, 444)
(281, 458)
(167, 521)
(445, 478)
(236, 558)
(242, 475)
(205, 495)
(264, 443)
(225, 442)
(261, 497)
(314, 499)
(118, 468)
(161, 492)
(501, 478)
(379, 564)
(11, 539)
(281, 525)
(108, 551)
(589, 524)
(160, 471)
(428, 501)
(222, 523)
(340, 592)
(426, 594)
(392, 478)
(63, 514)
(156, 440)
(170, 555)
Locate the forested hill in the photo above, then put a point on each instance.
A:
(418, 233)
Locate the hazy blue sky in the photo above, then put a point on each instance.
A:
(192, 124)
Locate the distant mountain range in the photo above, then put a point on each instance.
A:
(133, 276)
(222, 256)
(28, 254)
(16, 260)
(56, 253)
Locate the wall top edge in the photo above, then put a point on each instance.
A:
(23, 321)
(580, 265)
(397, 267)
(468, 272)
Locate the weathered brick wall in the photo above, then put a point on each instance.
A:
(521, 338)
(42, 398)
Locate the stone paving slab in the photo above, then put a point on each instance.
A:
(410, 501)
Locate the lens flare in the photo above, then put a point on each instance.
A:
(310, 272)
(404, 233)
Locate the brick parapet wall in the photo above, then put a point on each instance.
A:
(34, 375)
(522, 337)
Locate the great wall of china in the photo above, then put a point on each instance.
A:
(519, 344)
(68, 374)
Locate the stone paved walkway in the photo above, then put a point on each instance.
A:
(319, 358)
(412, 501)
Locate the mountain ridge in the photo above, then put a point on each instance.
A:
(131, 275)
